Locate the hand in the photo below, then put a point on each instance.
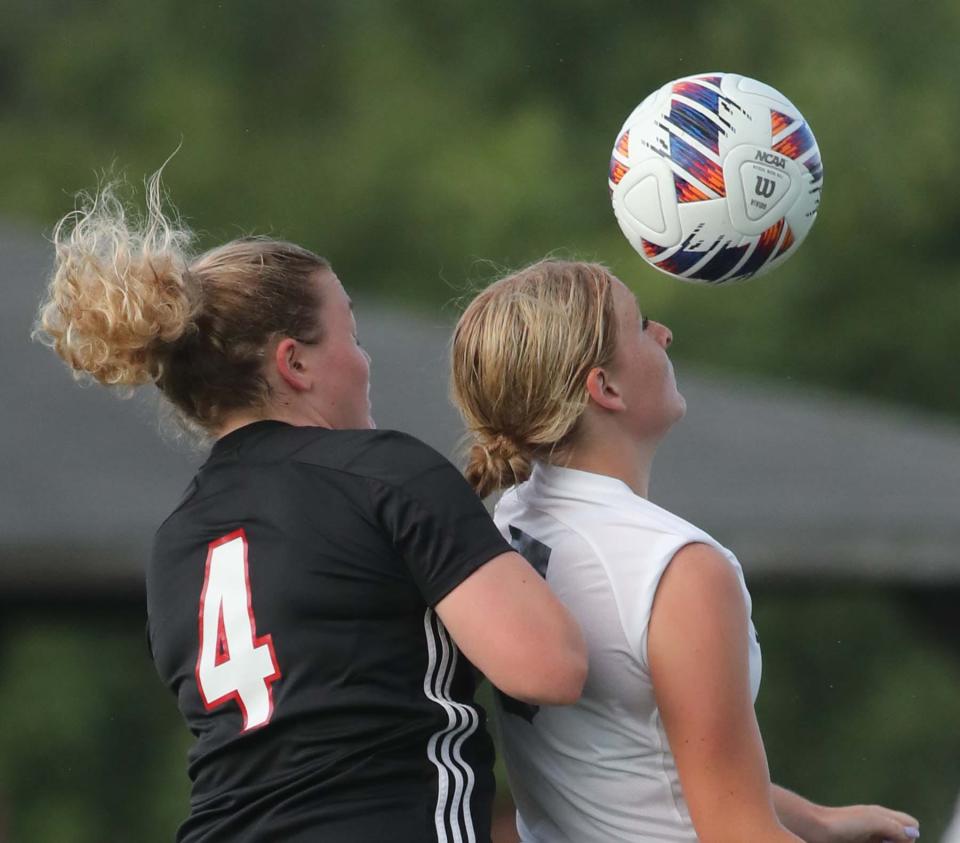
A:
(868, 824)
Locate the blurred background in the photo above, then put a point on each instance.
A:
(421, 146)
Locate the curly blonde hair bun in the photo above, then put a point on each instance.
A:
(128, 305)
(120, 289)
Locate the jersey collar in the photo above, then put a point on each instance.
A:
(577, 483)
(235, 438)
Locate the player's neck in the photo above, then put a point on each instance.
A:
(284, 414)
(628, 462)
(606, 444)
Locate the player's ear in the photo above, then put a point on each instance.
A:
(603, 390)
(288, 359)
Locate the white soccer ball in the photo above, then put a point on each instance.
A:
(715, 178)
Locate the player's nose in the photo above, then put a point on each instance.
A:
(662, 333)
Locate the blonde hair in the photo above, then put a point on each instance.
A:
(521, 354)
(128, 304)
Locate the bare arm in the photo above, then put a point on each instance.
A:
(505, 619)
(850, 824)
(697, 650)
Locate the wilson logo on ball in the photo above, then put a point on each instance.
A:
(764, 187)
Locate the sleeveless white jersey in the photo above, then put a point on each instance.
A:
(601, 770)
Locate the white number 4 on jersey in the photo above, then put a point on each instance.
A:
(233, 664)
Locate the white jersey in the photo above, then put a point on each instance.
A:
(601, 770)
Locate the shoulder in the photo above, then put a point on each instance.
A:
(700, 582)
(625, 546)
(654, 517)
(700, 652)
(674, 538)
(390, 456)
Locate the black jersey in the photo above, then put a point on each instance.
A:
(289, 602)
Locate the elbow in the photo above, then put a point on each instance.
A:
(552, 681)
(570, 668)
(547, 663)
(569, 685)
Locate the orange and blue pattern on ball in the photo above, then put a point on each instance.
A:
(651, 250)
(815, 166)
(698, 165)
(696, 124)
(623, 144)
(686, 192)
(700, 94)
(683, 258)
(788, 240)
(763, 251)
(778, 122)
(679, 262)
(724, 257)
(796, 143)
(617, 170)
(721, 263)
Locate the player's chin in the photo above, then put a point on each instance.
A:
(680, 405)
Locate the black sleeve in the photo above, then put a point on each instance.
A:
(436, 521)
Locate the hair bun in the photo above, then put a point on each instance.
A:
(500, 445)
(495, 462)
(119, 292)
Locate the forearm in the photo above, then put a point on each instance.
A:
(848, 824)
(804, 818)
(730, 829)
(725, 813)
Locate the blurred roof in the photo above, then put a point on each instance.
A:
(799, 483)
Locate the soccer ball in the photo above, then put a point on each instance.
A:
(715, 178)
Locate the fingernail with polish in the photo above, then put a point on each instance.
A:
(911, 831)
